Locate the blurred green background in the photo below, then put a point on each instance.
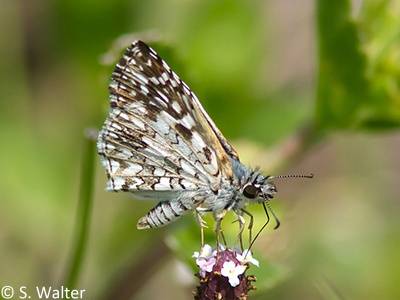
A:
(297, 86)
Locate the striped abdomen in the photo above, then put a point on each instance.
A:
(163, 213)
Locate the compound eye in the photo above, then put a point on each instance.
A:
(250, 191)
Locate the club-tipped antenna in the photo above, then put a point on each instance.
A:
(311, 175)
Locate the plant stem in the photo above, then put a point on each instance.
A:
(130, 281)
(84, 209)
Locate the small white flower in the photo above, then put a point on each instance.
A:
(205, 265)
(205, 260)
(205, 252)
(247, 257)
(232, 271)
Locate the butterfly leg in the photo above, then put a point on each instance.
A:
(223, 238)
(202, 224)
(241, 221)
(250, 226)
(218, 232)
(241, 229)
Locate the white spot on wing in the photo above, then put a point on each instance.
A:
(140, 77)
(118, 182)
(161, 126)
(114, 165)
(116, 126)
(176, 107)
(144, 89)
(197, 140)
(153, 54)
(138, 123)
(159, 172)
(187, 184)
(154, 80)
(165, 76)
(188, 120)
(113, 84)
(163, 184)
(132, 169)
(187, 168)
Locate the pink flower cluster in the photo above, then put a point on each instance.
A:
(222, 272)
(231, 264)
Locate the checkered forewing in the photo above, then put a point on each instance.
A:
(157, 136)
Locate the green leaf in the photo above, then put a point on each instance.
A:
(342, 89)
(380, 27)
(358, 79)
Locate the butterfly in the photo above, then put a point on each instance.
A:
(159, 143)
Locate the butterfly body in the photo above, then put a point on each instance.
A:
(159, 143)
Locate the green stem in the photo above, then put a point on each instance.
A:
(83, 212)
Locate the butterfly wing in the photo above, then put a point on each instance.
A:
(157, 136)
(223, 141)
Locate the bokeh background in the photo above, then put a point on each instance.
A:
(297, 86)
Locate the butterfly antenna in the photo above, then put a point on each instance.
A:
(311, 175)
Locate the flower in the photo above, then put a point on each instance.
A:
(206, 265)
(247, 257)
(232, 271)
(205, 252)
(222, 273)
(205, 259)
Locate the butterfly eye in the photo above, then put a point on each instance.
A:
(250, 191)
